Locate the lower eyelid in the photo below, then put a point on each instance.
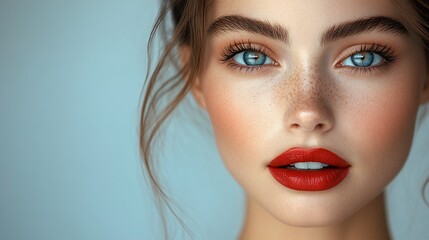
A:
(249, 69)
(365, 70)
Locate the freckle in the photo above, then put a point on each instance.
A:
(323, 88)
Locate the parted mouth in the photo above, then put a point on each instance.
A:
(307, 166)
(308, 169)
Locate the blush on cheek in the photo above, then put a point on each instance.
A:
(233, 134)
(241, 119)
(385, 127)
(227, 124)
(228, 118)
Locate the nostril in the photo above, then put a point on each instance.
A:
(310, 120)
(310, 127)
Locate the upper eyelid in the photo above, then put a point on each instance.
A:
(248, 45)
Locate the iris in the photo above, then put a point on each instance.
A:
(252, 58)
(363, 59)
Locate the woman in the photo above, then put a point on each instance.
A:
(313, 105)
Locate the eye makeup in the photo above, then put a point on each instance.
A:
(232, 50)
(385, 52)
(381, 52)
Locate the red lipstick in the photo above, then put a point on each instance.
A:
(308, 169)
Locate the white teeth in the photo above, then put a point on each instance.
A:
(309, 165)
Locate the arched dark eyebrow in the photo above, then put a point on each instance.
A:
(277, 32)
(379, 23)
(240, 23)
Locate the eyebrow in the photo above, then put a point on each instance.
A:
(380, 23)
(239, 23)
(232, 23)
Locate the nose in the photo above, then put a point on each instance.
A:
(310, 120)
(310, 107)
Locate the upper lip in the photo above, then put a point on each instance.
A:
(298, 154)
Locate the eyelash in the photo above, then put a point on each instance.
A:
(387, 54)
(237, 47)
(384, 51)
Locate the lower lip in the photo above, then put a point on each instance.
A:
(309, 180)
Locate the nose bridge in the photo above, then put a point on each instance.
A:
(308, 89)
(310, 95)
(307, 85)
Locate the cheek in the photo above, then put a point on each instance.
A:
(389, 122)
(230, 118)
(241, 116)
(382, 124)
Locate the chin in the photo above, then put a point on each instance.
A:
(313, 210)
(312, 220)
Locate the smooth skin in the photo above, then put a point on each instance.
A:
(307, 94)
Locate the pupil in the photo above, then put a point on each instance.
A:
(254, 58)
(363, 59)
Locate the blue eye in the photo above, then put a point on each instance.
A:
(252, 58)
(363, 59)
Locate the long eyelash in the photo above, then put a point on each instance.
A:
(384, 51)
(233, 49)
(237, 47)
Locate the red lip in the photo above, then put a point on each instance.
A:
(311, 179)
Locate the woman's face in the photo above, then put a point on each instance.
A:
(277, 77)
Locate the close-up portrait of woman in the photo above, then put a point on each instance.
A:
(214, 120)
(313, 106)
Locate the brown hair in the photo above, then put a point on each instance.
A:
(189, 29)
(189, 17)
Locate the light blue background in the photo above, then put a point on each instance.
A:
(71, 74)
